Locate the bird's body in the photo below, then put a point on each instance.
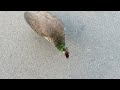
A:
(48, 26)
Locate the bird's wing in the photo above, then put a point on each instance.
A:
(35, 21)
(45, 23)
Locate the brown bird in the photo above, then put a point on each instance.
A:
(49, 26)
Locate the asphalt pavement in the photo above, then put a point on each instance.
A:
(93, 38)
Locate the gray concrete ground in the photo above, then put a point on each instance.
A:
(93, 39)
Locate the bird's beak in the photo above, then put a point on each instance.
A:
(67, 54)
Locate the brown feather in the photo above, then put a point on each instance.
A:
(47, 25)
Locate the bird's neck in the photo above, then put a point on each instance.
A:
(61, 47)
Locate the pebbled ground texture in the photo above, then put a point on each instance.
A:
(93, 38)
